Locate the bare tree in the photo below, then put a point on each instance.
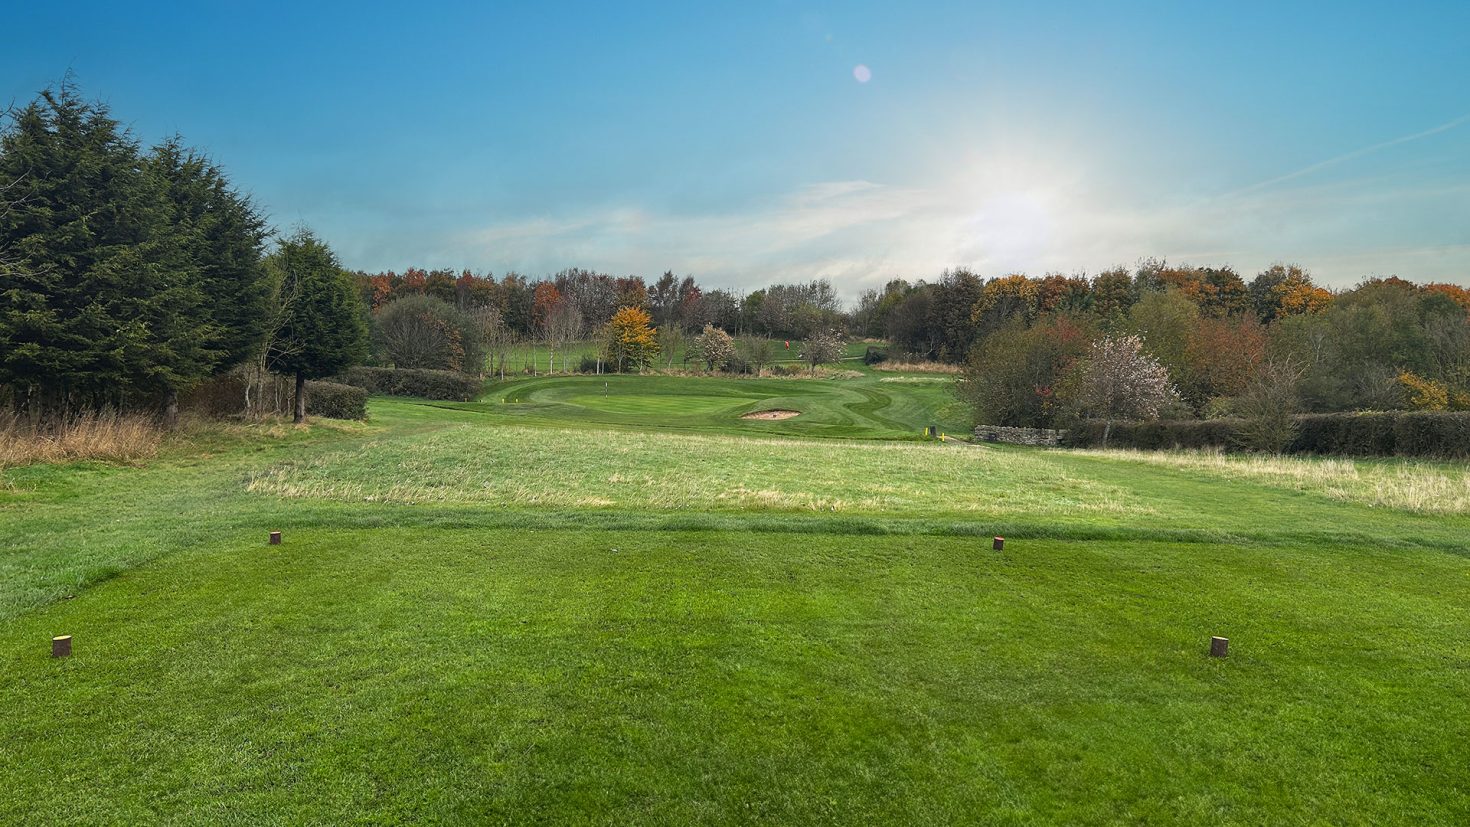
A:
(563, 324)
(758, 351)
(1119, 380)
(274, 348)
(1268, 407)
(412, 332)
(498, 337)
(670, 337)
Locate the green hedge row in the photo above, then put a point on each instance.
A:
(334, 400)
(1441, 434)
(1156, 435)
(424, 384)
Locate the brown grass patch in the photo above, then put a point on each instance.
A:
(918, 367)
(106, 436)
(1405, 485)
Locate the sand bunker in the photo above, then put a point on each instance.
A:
(771, 414)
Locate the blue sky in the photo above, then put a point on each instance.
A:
(736, 142)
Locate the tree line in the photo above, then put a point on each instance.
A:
(589, 300)
(129, 275)
(1228, 348)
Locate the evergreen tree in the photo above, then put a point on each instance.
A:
(89, 310)
(323, 327)
(224, 234)
(126, 278)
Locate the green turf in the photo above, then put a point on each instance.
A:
(544, 612)
(870, 407)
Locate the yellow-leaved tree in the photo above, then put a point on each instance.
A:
(630, 339)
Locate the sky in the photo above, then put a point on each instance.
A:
(753, 142)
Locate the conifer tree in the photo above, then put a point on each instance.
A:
(323, 328)
(125, 278)
(223, 235)
(88, 311)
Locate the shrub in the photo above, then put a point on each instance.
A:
(425, 384)
(424, 332)
(1432, 434)
(219, 396)
(334, 400)
(227, 395)
(1268, 407)
(588, 364)
(738, 364)
(1158, 435)
(1351, 434)
(874, 355)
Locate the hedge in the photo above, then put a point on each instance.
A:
(1435, 434)
(425, 384)
(334, 400)
(224, 396)
(1156, 434)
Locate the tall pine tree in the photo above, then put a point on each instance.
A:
(79, 232)
(323, 326)
(220, 238)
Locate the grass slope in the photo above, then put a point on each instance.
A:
(481, 614)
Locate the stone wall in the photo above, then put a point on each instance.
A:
(1019, 436)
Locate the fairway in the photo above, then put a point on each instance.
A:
(559, 605)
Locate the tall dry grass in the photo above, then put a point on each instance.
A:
(107, 435)
(918, 367)
(1404, 485)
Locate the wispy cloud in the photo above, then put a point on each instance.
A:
(860, 233)
(1348, 156)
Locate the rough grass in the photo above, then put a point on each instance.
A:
(918, 367)
(105, 436)
(567, 468)
(1417, 487)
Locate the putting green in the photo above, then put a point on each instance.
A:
(644, 405)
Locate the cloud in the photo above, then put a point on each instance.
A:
(1349, 156)
(860, 233)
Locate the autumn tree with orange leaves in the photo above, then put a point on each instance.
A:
(629, 339)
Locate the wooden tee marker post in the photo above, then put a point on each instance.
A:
(999, 544)
(61, 646)
(1219, 646)
(275, 538)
